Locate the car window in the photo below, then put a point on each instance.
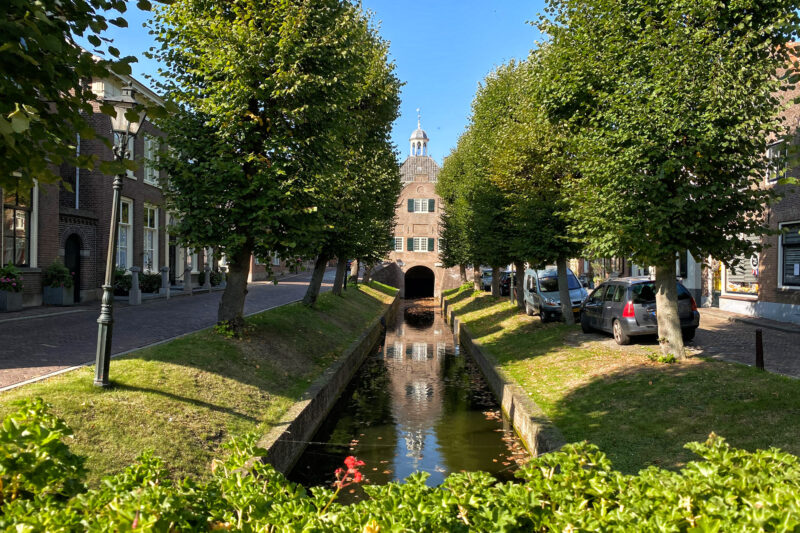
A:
(644, 293)
(597, 294)
(683, 293)
(530, 283)
(620, 293)
(610, 293)
(550, 283)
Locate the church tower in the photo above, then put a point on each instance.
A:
(415, 263)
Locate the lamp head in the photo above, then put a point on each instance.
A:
(128, 119)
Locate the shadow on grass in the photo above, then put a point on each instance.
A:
(191, 401)
(644, 414)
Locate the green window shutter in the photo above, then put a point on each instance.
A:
(391, 243)
(430, 242)
(431, 205)
(410, 244)
(411, 205)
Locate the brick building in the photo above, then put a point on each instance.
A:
(414, 265)
(71, 224)
(769, 283)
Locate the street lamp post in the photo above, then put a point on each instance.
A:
(127, 123)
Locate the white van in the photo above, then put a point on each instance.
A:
(541, 293)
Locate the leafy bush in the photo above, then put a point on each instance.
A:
(122, 282)
(57, 275)
(10, 279)
(574, 489)
(149, 282)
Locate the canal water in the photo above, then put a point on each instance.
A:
(416, 404)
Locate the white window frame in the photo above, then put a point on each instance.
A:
(276, 260)
(131, 152)
(195, 260)
(398, 244)
(780, 257)
(775, 152)
(152, 231)
(125, 226)
(421, 244)
(151, 147)
(421, 205)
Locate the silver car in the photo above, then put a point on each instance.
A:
(626, 307)
(541, 293)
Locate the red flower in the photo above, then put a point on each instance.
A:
(349, 476)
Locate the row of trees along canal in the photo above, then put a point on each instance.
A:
(280, 143)
(638, 129)
(277, 123)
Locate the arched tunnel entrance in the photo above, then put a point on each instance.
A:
(419, 282)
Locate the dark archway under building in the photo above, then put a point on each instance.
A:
(419, 281)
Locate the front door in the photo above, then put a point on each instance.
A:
(72, 260)
(594, 307)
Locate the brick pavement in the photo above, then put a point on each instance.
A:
(38, 345)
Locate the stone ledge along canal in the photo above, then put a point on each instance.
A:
(416, 404)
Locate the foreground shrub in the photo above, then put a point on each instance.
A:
(575, 489)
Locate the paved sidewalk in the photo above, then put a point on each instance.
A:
(43, 342)
(732, 337)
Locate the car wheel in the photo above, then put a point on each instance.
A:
(585, 327)
(620, 336)
(688, 334)
(544, 315)
(528, 309)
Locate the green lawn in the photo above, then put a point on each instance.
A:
(638, 411)
(183, 399)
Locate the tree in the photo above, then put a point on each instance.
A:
(46, 100)
(270, 85)
(669, 106)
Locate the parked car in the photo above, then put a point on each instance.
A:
(626, 307)
(541, 293)
(486, 279)
(506, 280)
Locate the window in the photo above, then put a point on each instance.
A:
(597, 295)
(441, 244)
(421, 205)
(117, 139)
(398, 244)
(150, 257)
(743, 277)
(151, 145)
(420, 244)
(612, 289)
(550, 283)
(276, 260)
(16, 230)
(776, 157)
(789, 250)
(125, 235)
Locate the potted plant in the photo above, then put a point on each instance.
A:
(58, 284)
(10, 289)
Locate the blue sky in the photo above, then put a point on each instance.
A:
(442, 49)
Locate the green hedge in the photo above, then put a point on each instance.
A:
(572, 490)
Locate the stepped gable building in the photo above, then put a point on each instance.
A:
(414, 265)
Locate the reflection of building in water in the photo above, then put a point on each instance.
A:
(415, 366)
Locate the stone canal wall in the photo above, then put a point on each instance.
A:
(286, 441)
(537, 431)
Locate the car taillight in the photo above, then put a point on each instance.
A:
(628, 311)
(694, 304)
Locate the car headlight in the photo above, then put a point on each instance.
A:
(550, 301)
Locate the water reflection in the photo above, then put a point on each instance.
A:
(416, 404)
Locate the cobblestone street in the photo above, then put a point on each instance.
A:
(32, 346)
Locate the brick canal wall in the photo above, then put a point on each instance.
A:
(286, 441)
(537, 431)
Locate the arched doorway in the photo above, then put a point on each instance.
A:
(72, 260)
(419, 282)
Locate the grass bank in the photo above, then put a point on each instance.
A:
(638, 411)
(183, 399)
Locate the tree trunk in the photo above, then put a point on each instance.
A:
(367, 272)
(462, 270)
(476, 278)
(496, 281)
(519, 280)
(316, 280)
(563, 291)
(231, 305)
(354, 270)
(669, 323)
(338, 281)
